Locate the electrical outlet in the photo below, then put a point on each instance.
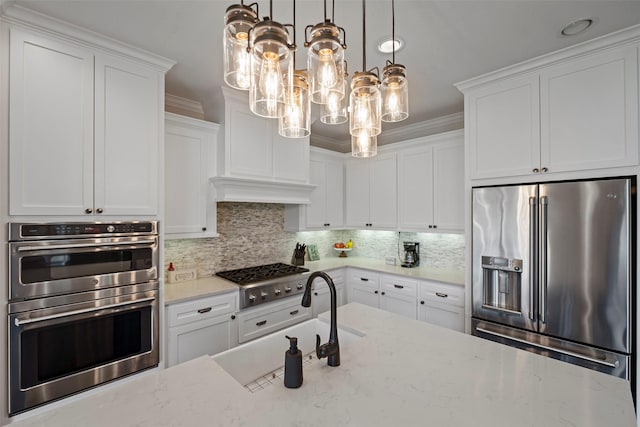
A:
(390, 260)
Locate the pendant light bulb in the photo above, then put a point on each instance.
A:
(270, 82)
(327, 72)
(395, 93)
(242, 61)
(364, 145)
(365, 105)
(325, 61)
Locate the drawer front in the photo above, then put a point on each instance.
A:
(202, 309)
(337, 276)
(399, 285)
(442, 293)
(364, 277)
(256, 323)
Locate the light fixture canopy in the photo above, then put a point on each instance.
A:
(395, 93)
(270, 62)
(325, 60)
(239, 20)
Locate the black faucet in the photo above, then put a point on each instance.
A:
(330, 350)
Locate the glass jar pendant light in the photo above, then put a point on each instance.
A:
(334, 111)
(239, 19)
(325, 59)
(296, 120)
(395, 88)
(365, 105)
(270, 58)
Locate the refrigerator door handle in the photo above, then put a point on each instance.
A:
(610, 363)
(533, 233)
(543, 258)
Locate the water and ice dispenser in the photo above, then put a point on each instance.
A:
(502, 281)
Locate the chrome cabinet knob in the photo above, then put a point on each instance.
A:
(536, 170)
(543, 170)
(99, 210)
(88, 211)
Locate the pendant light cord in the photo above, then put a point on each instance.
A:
(393, 31)
(364, 37)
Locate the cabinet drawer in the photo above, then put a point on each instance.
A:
(201, 309)
(364, 277)
(399, 285)
(264, 320)
(442, 293)
(337, 277)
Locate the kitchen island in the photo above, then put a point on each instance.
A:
(400, 373)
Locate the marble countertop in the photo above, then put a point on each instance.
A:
(401, 373)
(209, 286)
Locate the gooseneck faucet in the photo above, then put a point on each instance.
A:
(331, 349)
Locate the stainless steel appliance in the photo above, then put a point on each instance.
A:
(265, 283)
(411, 254)
(552, 270)
(83, 307)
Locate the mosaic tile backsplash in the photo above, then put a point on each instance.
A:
(253, 234)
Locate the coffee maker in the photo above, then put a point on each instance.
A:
(411, 254)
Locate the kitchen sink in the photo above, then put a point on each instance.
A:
(256, 358)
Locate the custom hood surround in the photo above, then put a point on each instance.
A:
(255, 163)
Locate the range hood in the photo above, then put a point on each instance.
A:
(230, 189)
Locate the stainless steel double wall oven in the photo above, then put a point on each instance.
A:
(83, 307)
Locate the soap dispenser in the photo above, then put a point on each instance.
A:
(293, 364)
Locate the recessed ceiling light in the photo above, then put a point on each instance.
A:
(578, 26)
(386, 45)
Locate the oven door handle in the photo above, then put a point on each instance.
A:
(19, 322)
(84, 245)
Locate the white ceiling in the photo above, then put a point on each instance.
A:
(446, 41)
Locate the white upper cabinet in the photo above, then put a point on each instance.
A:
(504, 127)
(85, 129)
(190, 208)
(371, 192)
(572, 110)
(431, 184)
(589, 112)
(326, 210)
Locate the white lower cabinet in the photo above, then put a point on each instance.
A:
(442, 304)
(203, 326)
(321, 300)
(391, 293)
(259, 321)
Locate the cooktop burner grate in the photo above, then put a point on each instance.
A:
(259, 273)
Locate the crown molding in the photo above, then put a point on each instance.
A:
(192, 108)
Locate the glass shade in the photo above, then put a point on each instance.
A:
(270, 59)
(365, 105)
(364, 145)
(325, 62)
(239, 19)
(334, 111)
(296, 120)
(395, 94)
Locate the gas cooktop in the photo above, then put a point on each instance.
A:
(260, 273)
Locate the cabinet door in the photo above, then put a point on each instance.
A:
(50, 127)
(189, 148)
(321, 301)
(290, 157)
(364, 294)
(448, 188)
(589, 112)
(447, 316)
(415, 189)
(186, 342)
(383, 192)
(334, 193)
(504, 128)
(316, 210)
(357, 192)
(127, 137)
(400, 304)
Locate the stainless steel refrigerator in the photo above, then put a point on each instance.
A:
(552, 270)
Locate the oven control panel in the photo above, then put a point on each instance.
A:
(29, 231)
